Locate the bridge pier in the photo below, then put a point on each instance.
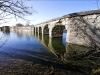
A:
(81, 32)
(42, 30)
(35, 31)
(33, 28)
(38, 30)
(50, 33)
(83, 28)
(51, 26)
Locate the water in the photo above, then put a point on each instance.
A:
(26, 53)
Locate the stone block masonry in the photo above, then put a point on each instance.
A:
(83, 28)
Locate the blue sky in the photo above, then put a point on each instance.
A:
(48, 9)
(56, 8)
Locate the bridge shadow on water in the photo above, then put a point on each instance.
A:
(41, 55)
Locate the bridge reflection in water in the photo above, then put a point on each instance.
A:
(80, 58)
(77, 60)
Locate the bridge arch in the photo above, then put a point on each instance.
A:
(46, 30)
(36, 29)
(58, 30)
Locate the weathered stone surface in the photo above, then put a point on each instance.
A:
(83, 28)
(82, 33)
(92, 16)
(98, 19)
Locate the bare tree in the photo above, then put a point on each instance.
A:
(97, 3)
(14, 9)
(27, 24)
(10, 9)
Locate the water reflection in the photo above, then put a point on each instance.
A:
(7, 32)
(79, 58)
(52, 55)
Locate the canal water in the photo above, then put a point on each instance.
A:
(26, 53)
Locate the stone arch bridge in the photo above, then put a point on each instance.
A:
(83, 28)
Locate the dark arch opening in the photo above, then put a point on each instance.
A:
(58, 30)
(40, 30)
(59, 40)
(46, 30)
(40, 33)
(36, 29)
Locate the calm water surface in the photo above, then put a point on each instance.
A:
(23, 52)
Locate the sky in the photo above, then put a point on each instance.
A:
(49, 9)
